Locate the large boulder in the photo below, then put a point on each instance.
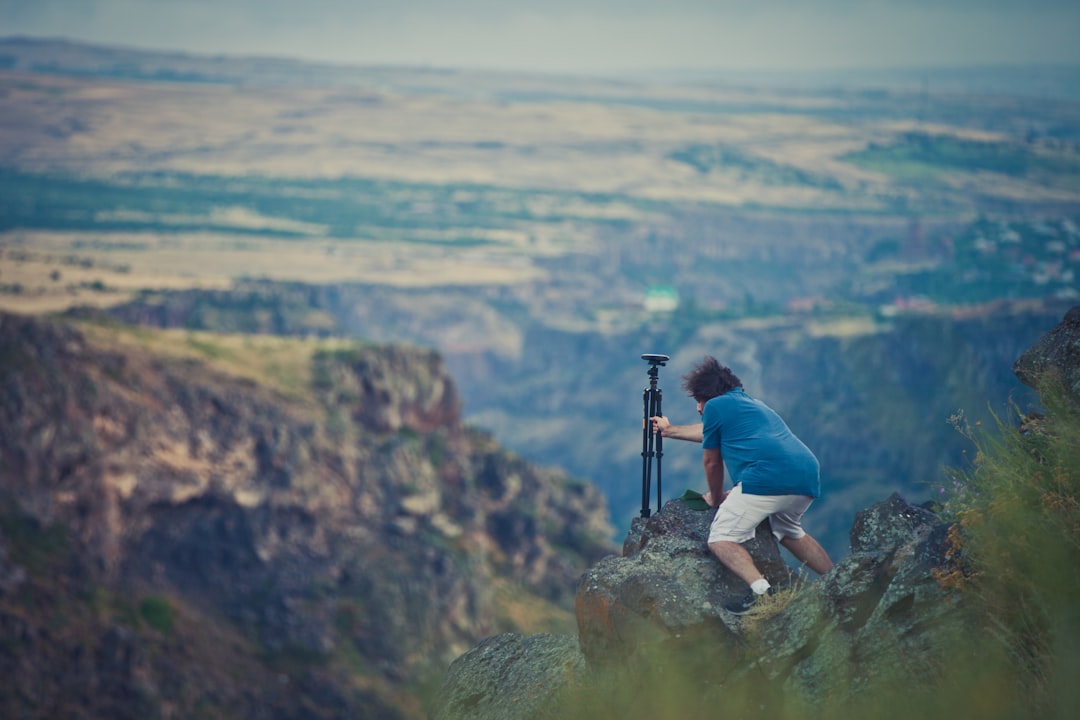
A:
(1056, 353)
(880, 613)
(511, 677)
(667, 587)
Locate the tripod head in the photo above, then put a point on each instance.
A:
(655, 360)
(655, 363)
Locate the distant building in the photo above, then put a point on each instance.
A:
(661, 299)
(915, 305)
(808, 304)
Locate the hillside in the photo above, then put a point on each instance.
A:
(203, 525)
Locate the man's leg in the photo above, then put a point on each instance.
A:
(808, 551)
(735, 557)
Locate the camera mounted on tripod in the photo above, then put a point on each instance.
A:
(651, 442)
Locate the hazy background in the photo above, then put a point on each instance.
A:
(579, 36)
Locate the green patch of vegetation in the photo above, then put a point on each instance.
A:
(35, 546)
(209, 349)
(988, 260)
(346, 208)
(351, 355)
(15, 359)
(710, 158)
(922, 156)
(157, 611)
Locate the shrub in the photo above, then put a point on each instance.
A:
(1019, 539)
(157, 612)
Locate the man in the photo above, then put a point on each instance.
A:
(774, 474)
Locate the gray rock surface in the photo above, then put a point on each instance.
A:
(1057, 352)
(512, 677)
(879, 614)
(665, 587)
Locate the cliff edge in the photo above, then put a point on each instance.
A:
(200, 525)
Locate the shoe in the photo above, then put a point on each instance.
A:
(743, 605)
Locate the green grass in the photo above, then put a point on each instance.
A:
(40, 548)
(157, 612)
(1018, 548)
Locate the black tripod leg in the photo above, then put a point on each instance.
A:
(659, 452)
(646, 454)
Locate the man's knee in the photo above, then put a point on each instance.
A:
(727, 549)
(793, 539)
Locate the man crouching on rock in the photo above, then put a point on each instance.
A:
(775, 475)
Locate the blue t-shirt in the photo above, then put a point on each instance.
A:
(758, 448)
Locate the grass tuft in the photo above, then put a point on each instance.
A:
(157, 611)
(1018, 536)
(768, 607)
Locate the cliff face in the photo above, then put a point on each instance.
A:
(328, 546)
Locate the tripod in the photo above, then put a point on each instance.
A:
(649, 439)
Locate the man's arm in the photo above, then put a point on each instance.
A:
(714, 475)
(662, 425)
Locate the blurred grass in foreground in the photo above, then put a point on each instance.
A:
(1018, 542)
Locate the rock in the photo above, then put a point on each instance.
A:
(665, 587)
(878, 614)
(1056, 353)
(888, 524)
(654, 612)
(511, 677)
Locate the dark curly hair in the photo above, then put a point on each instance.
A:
(709, 379)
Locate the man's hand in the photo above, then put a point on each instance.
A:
(664, 428)
(708, 499)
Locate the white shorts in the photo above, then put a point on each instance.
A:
(739, 515)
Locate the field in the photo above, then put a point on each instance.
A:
(129, 171)
(522, 225)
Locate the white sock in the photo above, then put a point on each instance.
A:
(760, 587)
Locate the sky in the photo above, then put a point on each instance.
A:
(579, 36)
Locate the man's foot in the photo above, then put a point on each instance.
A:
(743, 605)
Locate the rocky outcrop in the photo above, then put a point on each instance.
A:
(332, 544)
(512, 676)
(665, 587)
(1058, 354)
(878, 614)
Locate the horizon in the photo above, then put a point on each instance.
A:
(587, 37)
(1058, 81)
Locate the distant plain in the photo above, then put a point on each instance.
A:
(475, 177)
